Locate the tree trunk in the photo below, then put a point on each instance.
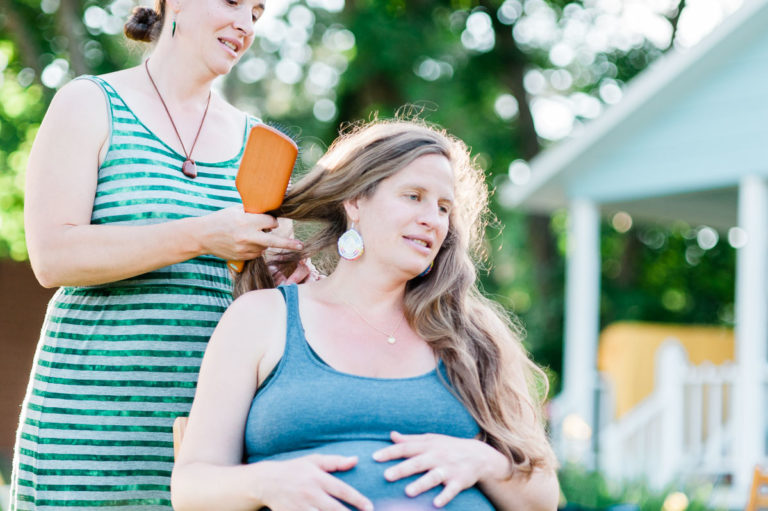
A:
(18, 28)
(69, 21)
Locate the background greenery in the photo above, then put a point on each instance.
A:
(476, 67)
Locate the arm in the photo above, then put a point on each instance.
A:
(208, 473)
(61, 183)
(539, 491)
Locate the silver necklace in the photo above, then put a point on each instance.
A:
(391, 339)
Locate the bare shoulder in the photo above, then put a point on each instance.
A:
(127, 79)
(73, 131)
(80, 102)
(255, 322)
(257, 306)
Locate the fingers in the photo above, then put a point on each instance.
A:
(399, 450)
(299, 275)
(451, 489)
(398, 437)
(266, 239)
(426, 482)
(344, 492)
(332, 462)
(267, 231)
(336, 487)
(440, 459)
(261, 221)
(277, 275)
(415, 465)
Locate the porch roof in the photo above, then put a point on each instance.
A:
(676, 146)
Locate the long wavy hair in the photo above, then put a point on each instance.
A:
(475, 338)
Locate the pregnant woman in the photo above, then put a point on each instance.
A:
(392, 383)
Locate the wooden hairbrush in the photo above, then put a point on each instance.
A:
(264, 172)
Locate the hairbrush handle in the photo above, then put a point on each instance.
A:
(235, 266)
(264, 172)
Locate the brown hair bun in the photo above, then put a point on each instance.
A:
(143, 25)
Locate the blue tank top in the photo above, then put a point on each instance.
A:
(307, 407)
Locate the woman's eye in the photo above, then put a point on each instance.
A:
(413, 196)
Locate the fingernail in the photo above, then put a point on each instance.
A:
(409, 491)
(368, 507)
(377, 456)
(388, 474)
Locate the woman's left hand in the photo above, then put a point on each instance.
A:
(305, 272)
(456, 463)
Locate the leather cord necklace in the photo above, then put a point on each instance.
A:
(189, 168)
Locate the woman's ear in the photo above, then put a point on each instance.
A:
(352, 208)
(175, 5)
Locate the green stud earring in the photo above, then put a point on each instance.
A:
(173, 28)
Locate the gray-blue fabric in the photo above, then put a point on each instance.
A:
(308, 407)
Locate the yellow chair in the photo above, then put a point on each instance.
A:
(179, 425)
(758, 496)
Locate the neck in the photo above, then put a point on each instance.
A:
(353, 283)
(171, 71)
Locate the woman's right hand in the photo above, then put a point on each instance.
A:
(235, 235)
(306, 483)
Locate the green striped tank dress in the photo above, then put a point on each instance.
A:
(117, 363)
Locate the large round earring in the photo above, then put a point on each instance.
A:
(350, 244)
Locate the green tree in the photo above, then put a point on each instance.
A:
(487, 70)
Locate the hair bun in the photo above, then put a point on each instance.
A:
(143, 25)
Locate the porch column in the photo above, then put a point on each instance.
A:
(582, 313)
(751, 330)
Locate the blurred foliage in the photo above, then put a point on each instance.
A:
(470, 65)
(584, 490)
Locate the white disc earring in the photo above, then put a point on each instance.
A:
(350, 244)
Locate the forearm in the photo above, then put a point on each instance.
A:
(81, 255)
(539, 492)
(202, 486)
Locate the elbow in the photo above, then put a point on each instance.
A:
(45, 275)
(46, 270)
(177, 502)
(53, 265)
(180, 498)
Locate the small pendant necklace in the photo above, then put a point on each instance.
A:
(189, 168)
(390, 336)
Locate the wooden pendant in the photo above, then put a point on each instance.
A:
(189, 169)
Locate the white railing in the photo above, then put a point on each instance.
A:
(684, 426)
(4, 497)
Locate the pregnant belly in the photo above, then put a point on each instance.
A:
(368, 478)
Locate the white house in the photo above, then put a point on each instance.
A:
(688, 141)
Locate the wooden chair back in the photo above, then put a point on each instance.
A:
(758, 495)
(179, 425)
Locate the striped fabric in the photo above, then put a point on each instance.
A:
(117, 363)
